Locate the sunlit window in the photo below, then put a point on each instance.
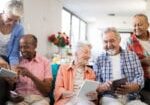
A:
(124, 38)
(66, 18)
(75, 30)
(74, 26)
(82, 30)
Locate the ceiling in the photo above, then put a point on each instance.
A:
(107, 12)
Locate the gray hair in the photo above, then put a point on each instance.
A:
(141, 15)
(14, 7)
(112, 29)
(82, 44)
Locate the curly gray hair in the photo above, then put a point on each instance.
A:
(14, 7)
(81, 44)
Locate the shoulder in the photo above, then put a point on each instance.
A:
(41, 58)
(18, 26)
(102, 56)
(18, 30)
(129, 54)
(64, 67)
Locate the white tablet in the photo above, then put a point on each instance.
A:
(88, 86)
(7, 73)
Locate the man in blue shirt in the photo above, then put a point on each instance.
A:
(113, 64)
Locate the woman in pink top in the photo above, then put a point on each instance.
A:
(71, 77)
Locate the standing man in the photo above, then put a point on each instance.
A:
(115, 63)
(139, 42)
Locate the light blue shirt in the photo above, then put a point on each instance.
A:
(13, 44)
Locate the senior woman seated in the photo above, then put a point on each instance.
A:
(71, 76)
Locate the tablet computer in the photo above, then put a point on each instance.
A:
(117, 83)
(7, 73)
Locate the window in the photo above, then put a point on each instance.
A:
(73, 26)
(66, 18)
(124, 38)
(75, 30)
(82, 30)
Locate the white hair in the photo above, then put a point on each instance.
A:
(112, 29)
(82, 44)
(14, 7)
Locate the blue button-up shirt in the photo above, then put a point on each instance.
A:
(130, 68)
(13, 45)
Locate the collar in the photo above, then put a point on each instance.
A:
(135, 38)
(71, 67)
(120, 51)
(35, 59)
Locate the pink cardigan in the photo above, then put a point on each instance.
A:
(64, 81)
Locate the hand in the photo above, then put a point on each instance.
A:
(11, 81)
(23, 71)
(146, 61)
(92, 95)
(4, 64)
(127, 88)
(67, 94)
(104, 87)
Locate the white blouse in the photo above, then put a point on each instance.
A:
(78, 80)
(4, 39)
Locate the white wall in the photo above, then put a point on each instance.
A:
(94, 37)
(42, 18)
(95, 30)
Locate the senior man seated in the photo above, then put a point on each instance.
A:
(33, 82)
(115, 63)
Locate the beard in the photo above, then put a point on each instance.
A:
(111, 52)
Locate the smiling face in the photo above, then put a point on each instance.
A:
(141, 25)
(27, 47)
(111, 43)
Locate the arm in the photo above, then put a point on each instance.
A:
(42, 85)
(128, 88)
(146, 61)
(60, 90)
(138, 77)
(104, 87)
(139, 74)
(13, 45)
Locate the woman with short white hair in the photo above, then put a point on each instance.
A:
(71, 76)
(10, 33)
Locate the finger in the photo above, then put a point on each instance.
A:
(121, 91)
(110, 82)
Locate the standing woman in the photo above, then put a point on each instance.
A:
(10, 33)
(139, 42)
